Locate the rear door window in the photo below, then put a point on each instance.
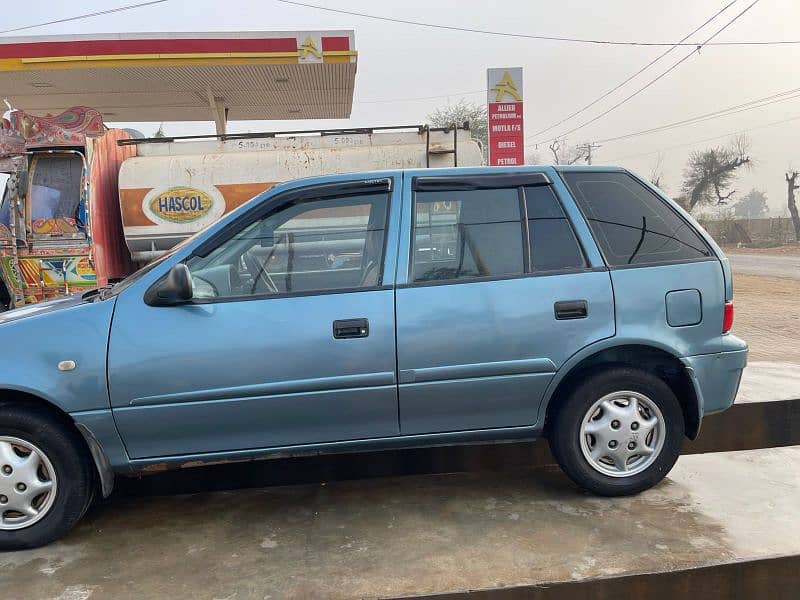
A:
(467, 234)
(631, 224)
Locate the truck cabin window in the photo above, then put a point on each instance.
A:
(55, 197)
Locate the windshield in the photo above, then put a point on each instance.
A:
(55, 195)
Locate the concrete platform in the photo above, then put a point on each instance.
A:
(401, 536)
(764, 381)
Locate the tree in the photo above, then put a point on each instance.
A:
(566, 155)
(791, 178)
(710, 173)
(752, 206)
(464, 112)
(160, 132)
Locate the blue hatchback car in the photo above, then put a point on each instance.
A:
(380, 310)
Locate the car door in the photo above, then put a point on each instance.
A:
(498, 291)
(289, 339)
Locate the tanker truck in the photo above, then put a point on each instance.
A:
(85, 206)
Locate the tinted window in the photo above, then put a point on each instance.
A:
(465, 234)
(553, 243)
(315, 245)
(632, 225)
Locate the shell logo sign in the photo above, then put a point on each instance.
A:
(183, 205)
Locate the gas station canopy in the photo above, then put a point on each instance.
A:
(184, 76)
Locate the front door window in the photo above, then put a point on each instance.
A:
(316, 245)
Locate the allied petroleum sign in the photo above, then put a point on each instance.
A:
(506, 132)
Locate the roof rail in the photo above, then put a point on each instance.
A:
(272, 134)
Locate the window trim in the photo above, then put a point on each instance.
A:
(711, 254)
(311, 192)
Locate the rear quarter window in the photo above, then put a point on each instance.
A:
(631, 224)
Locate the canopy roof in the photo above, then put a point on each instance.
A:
(183, 76)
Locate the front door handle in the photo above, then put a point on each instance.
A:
(350, 328)
(571, 309)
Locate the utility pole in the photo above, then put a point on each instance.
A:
(587, 149)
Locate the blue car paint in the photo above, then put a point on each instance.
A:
(158, 358)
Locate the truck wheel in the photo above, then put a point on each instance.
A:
(45, 479)
(618, 432)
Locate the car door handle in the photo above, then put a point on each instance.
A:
(350, 328)
(571, 309)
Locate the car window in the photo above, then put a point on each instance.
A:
(313, 245)
(467, 234)
(631, 224)
(552, 241)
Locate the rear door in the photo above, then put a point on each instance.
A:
(495, 294)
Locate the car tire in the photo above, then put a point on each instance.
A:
(618, 432)
(64, 474)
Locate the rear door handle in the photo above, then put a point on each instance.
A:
(350, 328)
(571, 309)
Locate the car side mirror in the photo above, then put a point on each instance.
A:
(175, 288)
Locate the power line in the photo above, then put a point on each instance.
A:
(710, 139)
(652, 81)
(85, 16)
(636, 74)
(552, 38)
(724, 112)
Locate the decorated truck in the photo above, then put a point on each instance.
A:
(85, 206)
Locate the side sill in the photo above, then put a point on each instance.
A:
(454, 438)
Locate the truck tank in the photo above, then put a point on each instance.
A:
(176, 186)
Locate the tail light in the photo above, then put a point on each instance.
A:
(727, 317)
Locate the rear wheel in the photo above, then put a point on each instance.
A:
(45, 478)
(618, 432)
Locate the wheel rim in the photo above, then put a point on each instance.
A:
(622, 434)
(27, 484)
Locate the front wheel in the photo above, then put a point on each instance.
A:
(45, 478)
(618, 432)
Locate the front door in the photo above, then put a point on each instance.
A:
(499, 293)
(289, 339)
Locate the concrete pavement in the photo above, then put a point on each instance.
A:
(421, 534)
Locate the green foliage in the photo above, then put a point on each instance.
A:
(752, 206)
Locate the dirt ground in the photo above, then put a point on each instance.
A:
(790, 249)
(768, 316)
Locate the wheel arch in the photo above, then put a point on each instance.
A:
(655, 358)
(90, 446)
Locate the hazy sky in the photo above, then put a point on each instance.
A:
(399, 62)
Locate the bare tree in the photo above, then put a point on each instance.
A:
(710, 173)
(566, 155)
(791, 185)
(533, 158)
